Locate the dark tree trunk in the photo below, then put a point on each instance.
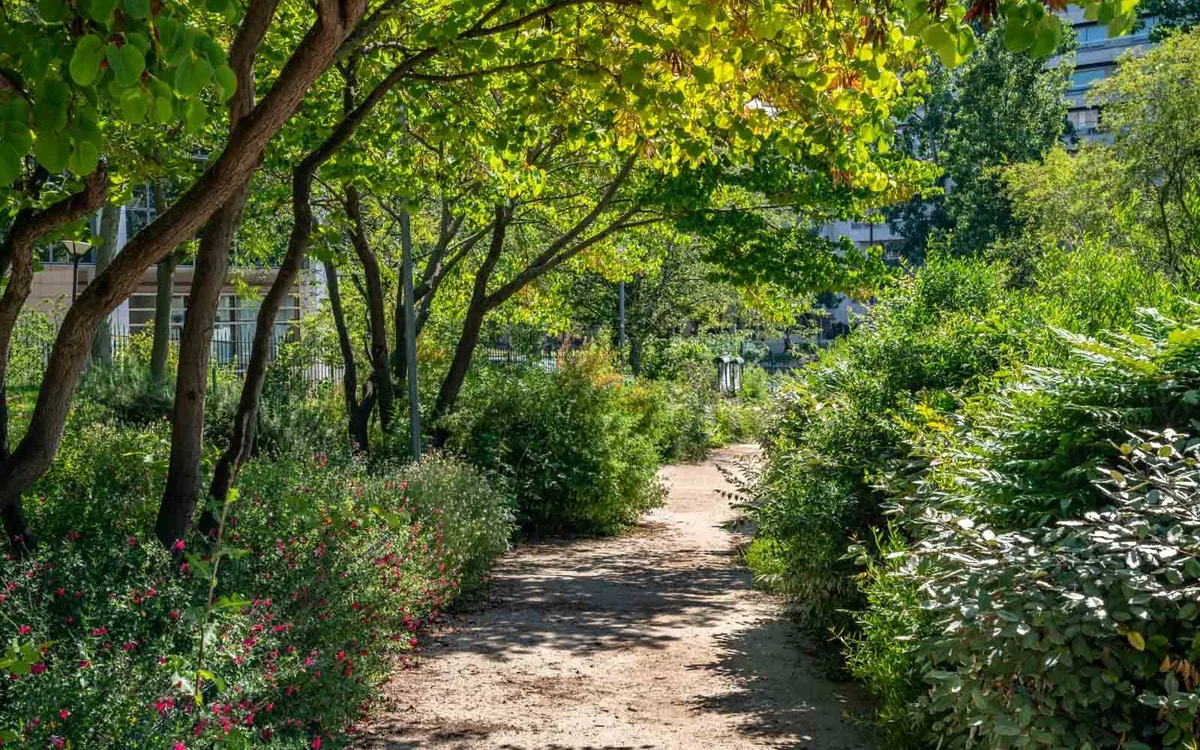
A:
(355, 413)
(381, 374)
(242, 441)
(191, 376)
(472, 326)
(221, 181)
(110, 225)
(164, 293)
(212, 265)
(635, 356)
(28, 227)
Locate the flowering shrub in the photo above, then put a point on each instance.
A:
(322, 578)
(476, 518)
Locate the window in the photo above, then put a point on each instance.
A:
(139, 211)
(1091, 33)
(141, 312)
(1085, 121)
(1083, 78)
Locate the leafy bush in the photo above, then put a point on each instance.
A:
(1080, 635)
(838, 435)
(325, 572)
(566, 443)
(1022, 452)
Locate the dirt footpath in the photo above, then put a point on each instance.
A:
(653, 640)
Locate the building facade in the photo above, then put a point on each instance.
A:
(56, 284)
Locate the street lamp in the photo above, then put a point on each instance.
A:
(77, 249)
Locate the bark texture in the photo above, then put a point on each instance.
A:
(227, 175)
(27, 229)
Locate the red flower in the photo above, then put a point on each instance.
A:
(63, 714)
(316, 743)
(178, 546)
(38, 668)
(24, 630)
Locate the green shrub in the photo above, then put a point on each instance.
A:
(327, 575)
(1023, 452)
(1080, 635)
(566, 443)
(837, 439)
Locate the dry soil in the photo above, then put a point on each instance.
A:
(653, 640)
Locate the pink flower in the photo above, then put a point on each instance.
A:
(179, 746)
(25, 630)
(63, 714)
(56, 741)
(316, 743)
(178, 546)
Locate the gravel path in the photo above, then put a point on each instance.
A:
(649, 641)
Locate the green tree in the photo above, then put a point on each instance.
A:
(1150, 107)
(999, 108)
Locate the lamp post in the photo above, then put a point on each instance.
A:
(77, 249)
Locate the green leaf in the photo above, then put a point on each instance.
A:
(194, 116)
(942, 43)
(134, 104)
(192, 75)
(1049, 33)
(53, 11)
(10, 164)
(227, 80)
(164, 110)
(85, 61)
(84, 159)
(137, 8)
(1018, 34)
(100, 10)
(51, 151)
(51, 108)
(16, 133)
(127, 64)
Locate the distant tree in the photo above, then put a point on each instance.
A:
(1150, 107)
(1170, 15)
(1000, 107)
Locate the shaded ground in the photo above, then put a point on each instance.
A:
(653, 640)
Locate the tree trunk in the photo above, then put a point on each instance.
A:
(380, 360)
(472, 325)
(208, 278)
(110, 225)
(242, 441)
(164, 293)
(221, 181)
(355, 414)
(28, 227)
(191, 376)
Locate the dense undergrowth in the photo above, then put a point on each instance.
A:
(974, 494)
(279, 633)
